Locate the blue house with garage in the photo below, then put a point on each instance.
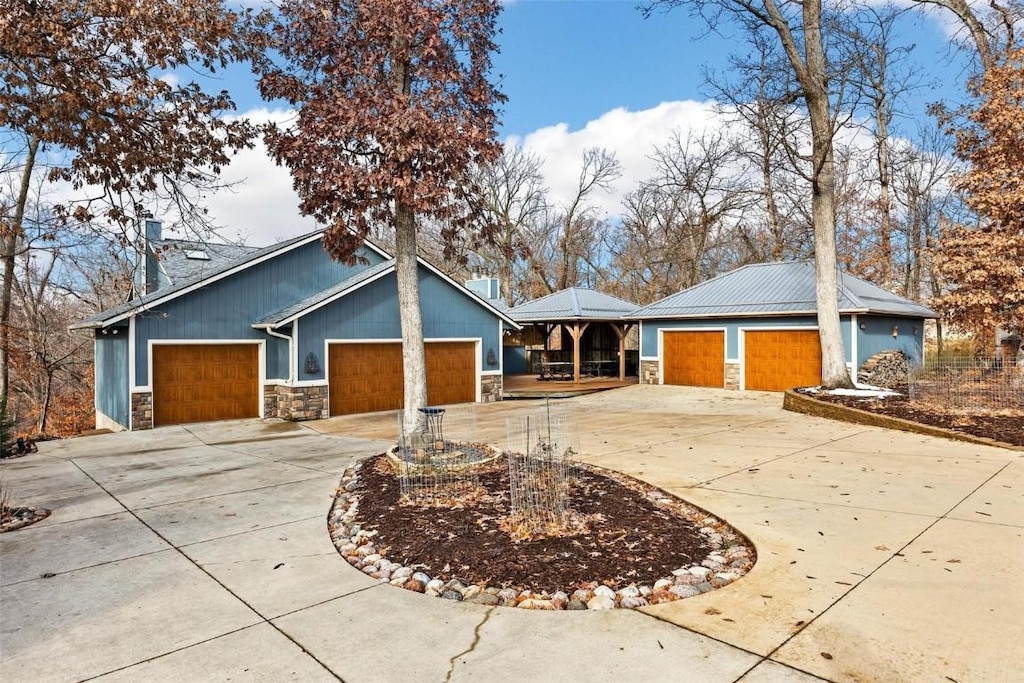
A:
(221, 332)
(756, 327)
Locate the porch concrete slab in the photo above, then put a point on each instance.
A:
(164, 439)
(679, 465)
(218, 477)
(647, 436)
(57, 485)
(385, 633)
(313, 451)
(100, 619)
(382, 425)
(599, 647)
(60, 548)
(948, 609)
(212, 517)
(773, 433)
(888, 441)
(999, 500)
(258, 654)
(809, 556)
(233, 431)
(918, 485)
(281, 569)
(773, 672)
(123, 469)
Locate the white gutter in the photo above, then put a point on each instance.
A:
(272, 333)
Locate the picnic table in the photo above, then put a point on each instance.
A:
(600, 367)
(557, 369)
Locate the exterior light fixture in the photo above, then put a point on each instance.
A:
(895, 331)
(491, 359)
(312, 364)
(863, 326)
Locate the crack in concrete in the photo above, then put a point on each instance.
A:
(472, 646)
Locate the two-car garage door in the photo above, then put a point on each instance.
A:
(368, 377)
(773, 360)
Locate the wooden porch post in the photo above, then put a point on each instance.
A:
(621, 333)
(576, 331)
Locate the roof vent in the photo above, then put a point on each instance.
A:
(197, 255)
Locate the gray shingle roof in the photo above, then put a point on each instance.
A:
(181, 260)
(776, 289)
(278, 317)
(111, 314)
(574, 303)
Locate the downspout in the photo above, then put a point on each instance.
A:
(277, 396)
(854, 350)
(291, 341)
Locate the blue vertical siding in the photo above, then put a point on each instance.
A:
(371, 312)
(277, 358)
(226, 309)
(877, 337)
(649, 338)
(514, 360)
(112, 375)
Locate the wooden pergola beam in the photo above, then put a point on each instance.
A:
(621, 331)
(576, 332)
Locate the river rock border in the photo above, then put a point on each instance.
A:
(731, 557)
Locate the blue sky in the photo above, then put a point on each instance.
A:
(572, 60)
(581, 73)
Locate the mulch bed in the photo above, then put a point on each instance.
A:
(13, 518)
(630, 538)
(998, 425)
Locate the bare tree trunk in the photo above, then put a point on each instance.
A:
(413, 355)
(884, 201)
(44, 408)
(10, 235)
(966, 14)
(823, 190)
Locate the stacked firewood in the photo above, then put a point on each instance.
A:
(886, 369)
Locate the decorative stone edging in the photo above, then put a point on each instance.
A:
(732, 557)
(808, 405)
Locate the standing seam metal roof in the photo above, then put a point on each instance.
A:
(573, 303)
(782, 288)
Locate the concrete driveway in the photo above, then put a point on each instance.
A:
(200, 553)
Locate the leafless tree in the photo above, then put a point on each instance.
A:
(801, 32)
(566, 248)
(677, 224)
(513, 197)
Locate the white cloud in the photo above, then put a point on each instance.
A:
(263, 206)
(630, 135)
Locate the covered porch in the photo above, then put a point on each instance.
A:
(576, 335)
(527, 386)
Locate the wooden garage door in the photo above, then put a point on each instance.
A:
(205, 382)
(776, 360)
(695, 359)
(368, 377)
